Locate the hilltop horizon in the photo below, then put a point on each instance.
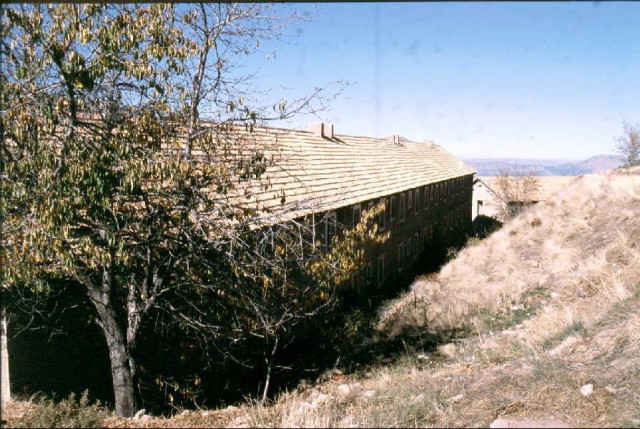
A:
(545, 167)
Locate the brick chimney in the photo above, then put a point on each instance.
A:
(395, 138)
(322, 129)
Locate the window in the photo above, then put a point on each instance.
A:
(330, 228)
(409, 199)
(369, 273)
(401, 209)
(428, 234)
(357, 213)
(400, 257)
(417, 204)
(381, 273)
(382, 214)
(355, 281)
(371, 221)
(392, 211)
(426, 198)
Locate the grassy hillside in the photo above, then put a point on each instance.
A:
(539, 320)
(542, 308)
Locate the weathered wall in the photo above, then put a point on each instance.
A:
(435, 217)
(485, 202)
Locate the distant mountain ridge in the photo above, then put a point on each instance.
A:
(545, 167)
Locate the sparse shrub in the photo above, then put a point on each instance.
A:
(575, 328)
(68, 413)
(508, 319)
(357, 326)
(554, 371)
(484, 226)
(405, 407)
(629, 144)
(473, 241)
(452, 253)
(518, 188)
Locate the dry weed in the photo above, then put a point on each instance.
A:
(558, 290)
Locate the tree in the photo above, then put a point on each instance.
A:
(5, 384)
(112, 181)
(517, 188)
(629, 144)
(223, 32)
(85, 101)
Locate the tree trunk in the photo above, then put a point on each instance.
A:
(119, 355)
(116, 337)
(122, 379)
(5, 389)
(269, 361)
(121, 372)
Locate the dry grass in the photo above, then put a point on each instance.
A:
(549, 303)
(573, 245)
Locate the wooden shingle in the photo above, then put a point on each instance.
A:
(310, 173)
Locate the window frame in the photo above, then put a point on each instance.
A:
(369, 273)
(392, 203)
(330, 222)
(426, 198)
(382, 215)
(381, 270)
(357, 208)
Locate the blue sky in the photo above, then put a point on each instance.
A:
(523, 80)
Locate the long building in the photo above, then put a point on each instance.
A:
(333, 178)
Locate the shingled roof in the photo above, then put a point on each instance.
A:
(311, 173)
